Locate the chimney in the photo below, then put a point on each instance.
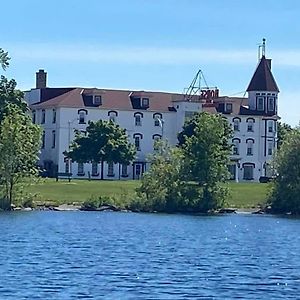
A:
(41, 79)
(269, 63)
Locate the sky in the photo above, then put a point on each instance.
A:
(154, 44)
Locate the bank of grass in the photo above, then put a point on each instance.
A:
(48, 191)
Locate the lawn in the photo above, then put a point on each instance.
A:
(242, 195)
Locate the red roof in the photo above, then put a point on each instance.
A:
(111, 99)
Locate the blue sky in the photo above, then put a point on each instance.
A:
(154, 44)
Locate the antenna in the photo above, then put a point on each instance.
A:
(263, 52)
(262, 49)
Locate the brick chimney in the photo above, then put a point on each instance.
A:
(41, 79)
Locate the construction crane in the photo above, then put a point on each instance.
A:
(197, 92)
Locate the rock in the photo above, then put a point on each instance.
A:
(65, 207)
(27, 209)
(258, 212)
(227, 211)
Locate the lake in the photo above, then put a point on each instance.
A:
(93, 255)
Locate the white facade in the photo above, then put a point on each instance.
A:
(253, 119)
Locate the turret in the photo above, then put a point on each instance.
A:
(262, 89)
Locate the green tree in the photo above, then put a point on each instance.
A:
(10, 95)
(285, 194)
(104, 141)
(161, 186)
(4, 59)
(205, 143)
(19, 148)
(283, 130)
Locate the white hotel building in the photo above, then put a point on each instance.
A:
(60, 111)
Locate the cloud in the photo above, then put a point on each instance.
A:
(128, 55)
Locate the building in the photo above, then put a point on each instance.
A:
(148, 116)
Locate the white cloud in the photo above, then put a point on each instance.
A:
(139, 55)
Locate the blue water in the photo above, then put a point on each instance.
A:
(90, 255)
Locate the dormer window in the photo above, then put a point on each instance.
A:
(228, 107)
(97, 100)
(145, 102)
(271, 103)
(260, 103)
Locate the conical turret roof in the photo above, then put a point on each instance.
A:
(263, 79)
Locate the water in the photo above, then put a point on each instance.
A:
(87, 255)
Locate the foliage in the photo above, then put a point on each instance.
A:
(283, 130)
(285, 195)
(4, 59)
(161, 186)
(9, 95)
(19, 147)
(206, 149)
(104, 141)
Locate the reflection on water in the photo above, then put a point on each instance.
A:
(90, 255)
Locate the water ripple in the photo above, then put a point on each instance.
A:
(79, 255)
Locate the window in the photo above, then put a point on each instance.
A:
(228, 107)
(270, 126)
(67, 166)
(260, 103)
(232, 171)
(271, 103)
(82, 117)
(53, 138)
(156, 138)
(43, 116)
(248, 171)
(33, 116)
(250, 125)
(53, 116)
(80, 169)
(97, 100)
(270, 148)
(236, 146)
(138, 170)
(236, 124)
(112, 115)
(138, 120)
(110, 169)
(43, 140)
(157, 121)
(124, 170)
(145, 102)
(95, 169)
(137, 142)
(250, 147)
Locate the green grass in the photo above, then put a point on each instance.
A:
(242, 195)
(247, 195)
(49, 190)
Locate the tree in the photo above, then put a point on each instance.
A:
(162, 186)
(4, 59)
(19, 148)
(206, 148)
(104, 141)
(283, 130)
(10, 95)
(285, 194)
